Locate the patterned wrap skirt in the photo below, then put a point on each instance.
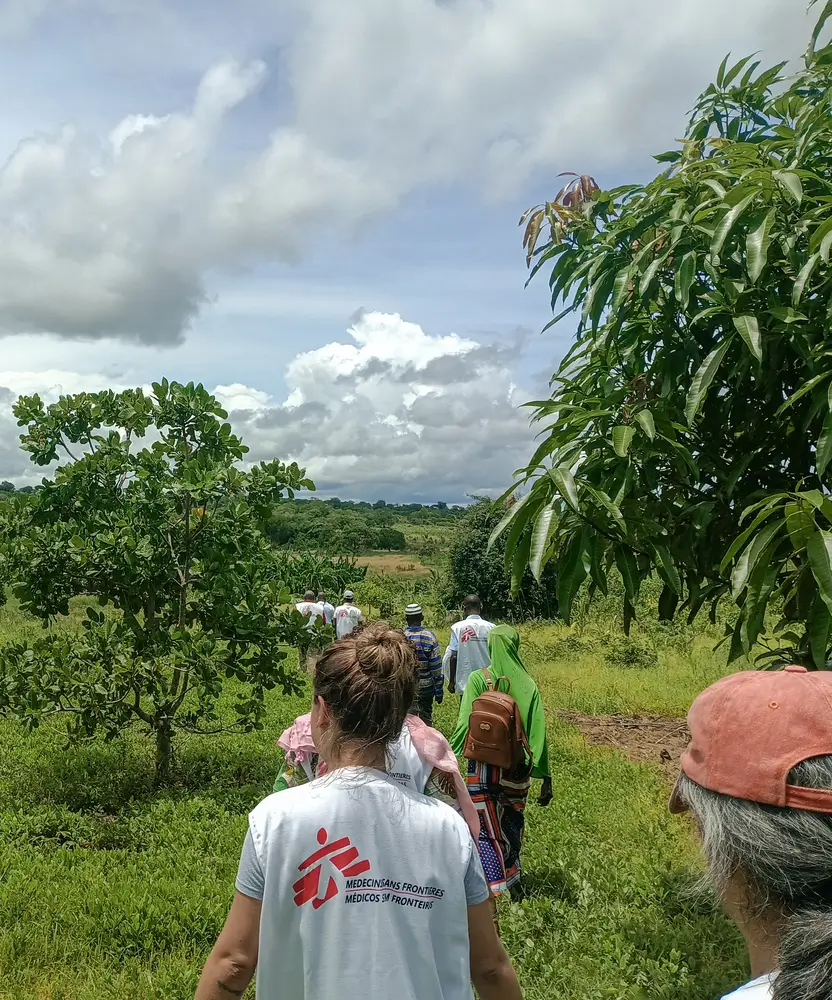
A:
(501, 806)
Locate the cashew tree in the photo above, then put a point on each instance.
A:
(150, 515)
(689, 428)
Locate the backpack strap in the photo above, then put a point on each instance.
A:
(496, 687)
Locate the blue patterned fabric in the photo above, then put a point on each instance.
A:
(426, 647)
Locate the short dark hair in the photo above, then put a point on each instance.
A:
(472, 603)
(321, 595)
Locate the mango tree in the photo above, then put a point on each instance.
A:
(689, 430)
(150, 515)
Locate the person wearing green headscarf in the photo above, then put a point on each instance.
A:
(499, 798)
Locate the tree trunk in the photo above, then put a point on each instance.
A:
(164, 751)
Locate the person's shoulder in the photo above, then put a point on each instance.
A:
(278, 804)
(757, 989)
(487, 624)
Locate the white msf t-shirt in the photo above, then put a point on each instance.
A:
(469, 640)
(311, 610)
(365, 887)
(406, 766)
(757, 989)
(347, 616)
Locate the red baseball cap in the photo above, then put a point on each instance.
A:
(750, 729)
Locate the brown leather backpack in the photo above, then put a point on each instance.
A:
(495, 731)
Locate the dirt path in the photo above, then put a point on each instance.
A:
(647, 739)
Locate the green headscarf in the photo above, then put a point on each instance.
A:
(504, 647)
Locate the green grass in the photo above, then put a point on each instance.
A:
(110, 890)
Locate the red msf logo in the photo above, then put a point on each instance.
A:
(342, 854)
(467, 634)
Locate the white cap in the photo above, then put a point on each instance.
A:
(412, 610)
(349, 595)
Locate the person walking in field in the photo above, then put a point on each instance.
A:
(328, 609)
(347, 616)
(310, 608)
(468, 648)
(757, 780)
(431, 682)
(499, 795)
(351, 885)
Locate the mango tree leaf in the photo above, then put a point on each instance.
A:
(540, 540)
(520, 563)
(799, 524)
(685, 274)
(751, 556)
(749, 329)
(610, 506)
(824, 451)
(572, 570)
(757, 244)
(790, 183)
(742, 539)
(802, 278)
(802, 391)
(668, 570)
(622, 438)
(513, 511)
(787, 315)
(729, 221)
(565, 482)
(628, 568)
(825, 247)
(620, 289)
(644, 418)
(702, 380)
(819, 550)
(824, 16)
(819, 631)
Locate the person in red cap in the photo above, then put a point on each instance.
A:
(757, 778)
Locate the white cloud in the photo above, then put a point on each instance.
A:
(116, 235)
(392, 413)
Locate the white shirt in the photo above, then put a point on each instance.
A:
(347, 616)
(329, 612)
(365, 888)
(757, 989)
(469, 640)
(405, 764)
(311, 610)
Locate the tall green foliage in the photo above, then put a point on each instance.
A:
(689, 431)
(508, 590)
(167, 536)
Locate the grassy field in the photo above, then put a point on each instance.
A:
(397, 563)
(110, 890)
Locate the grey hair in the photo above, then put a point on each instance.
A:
(785, 857)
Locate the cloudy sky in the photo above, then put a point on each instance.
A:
(311, 206)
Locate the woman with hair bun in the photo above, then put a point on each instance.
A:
(352, 885)
(757, 779)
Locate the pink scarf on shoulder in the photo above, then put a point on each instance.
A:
(430, 745)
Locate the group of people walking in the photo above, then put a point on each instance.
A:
(359, 881)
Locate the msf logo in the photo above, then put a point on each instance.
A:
(339, 853)
(467, 634)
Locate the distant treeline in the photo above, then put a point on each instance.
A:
(7, 487)
(353, 527)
